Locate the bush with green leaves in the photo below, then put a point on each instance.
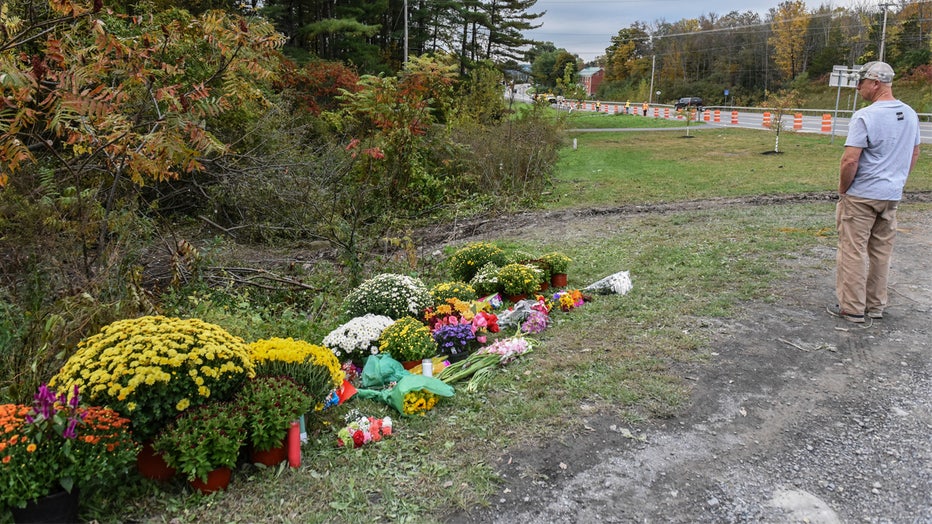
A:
(465, 262)
(388, 294)
(519, 279)
(557, 262)
(408, 339)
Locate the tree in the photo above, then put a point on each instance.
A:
(629, 47)
(508, 19)
(790, 22)
(781, 102)
(127, 96)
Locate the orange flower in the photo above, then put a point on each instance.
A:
(31, 447)
(7, 459)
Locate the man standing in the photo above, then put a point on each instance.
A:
(880, 151)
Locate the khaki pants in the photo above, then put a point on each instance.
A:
(866, 229)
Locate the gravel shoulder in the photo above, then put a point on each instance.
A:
(798, 417)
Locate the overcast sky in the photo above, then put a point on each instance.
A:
(585, 27)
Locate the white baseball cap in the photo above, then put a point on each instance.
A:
(879, 71)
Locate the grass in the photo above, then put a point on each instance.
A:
(618, 356)
(617, 168)
(590, 120)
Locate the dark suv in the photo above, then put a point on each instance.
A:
(689, 101)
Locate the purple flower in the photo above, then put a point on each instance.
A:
(75, 399)
(536, 322)
(70, 430)
(44, 402)
(454, 338)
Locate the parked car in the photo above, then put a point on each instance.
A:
(689, 101)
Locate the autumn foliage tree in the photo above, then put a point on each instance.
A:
(790, 22)
(95, 108)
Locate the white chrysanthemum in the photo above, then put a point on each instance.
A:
(392, 295)
(357, 338)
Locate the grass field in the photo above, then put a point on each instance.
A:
(619, 356)
(616, 168)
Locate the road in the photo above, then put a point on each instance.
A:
(811, 121)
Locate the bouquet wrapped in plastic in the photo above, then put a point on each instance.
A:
(409, 394)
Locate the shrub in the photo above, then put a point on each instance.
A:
(151, 368)
(558, 262)
(518, 279)
(466, 261)
(270, 405)
(394, 296)
(203, 439)
(407, 339)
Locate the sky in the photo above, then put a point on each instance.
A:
(585, 27)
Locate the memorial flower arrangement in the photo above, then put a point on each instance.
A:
(486, 278)
(452, 290)
(536, 322)
(479, 366)
(271, 404)
(394, 296)
(407, 339)
(557, 262)
(569, 299)
(58, 444)
(465, 262)
(314, 367)
(357, 339)
(453, 310)
(519, 279)
(361, 430)
(539, 318)
(149, 369)
(455, 338)
(203, 439)
(483, 324)
(419, 402)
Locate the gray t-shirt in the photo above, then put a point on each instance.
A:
(887, 131)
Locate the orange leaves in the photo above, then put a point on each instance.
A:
(143, 97)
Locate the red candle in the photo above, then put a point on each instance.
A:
(294, 445)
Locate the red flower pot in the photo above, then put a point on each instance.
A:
(270, 457)
(517, 298)
(558, 280)
(151, 465)
(217, 480)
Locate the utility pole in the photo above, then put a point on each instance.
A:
(883, 31)
(406, 31)
(653, 65)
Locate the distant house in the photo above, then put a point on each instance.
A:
(590, 78)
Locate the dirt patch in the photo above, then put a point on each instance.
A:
(799, 417)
